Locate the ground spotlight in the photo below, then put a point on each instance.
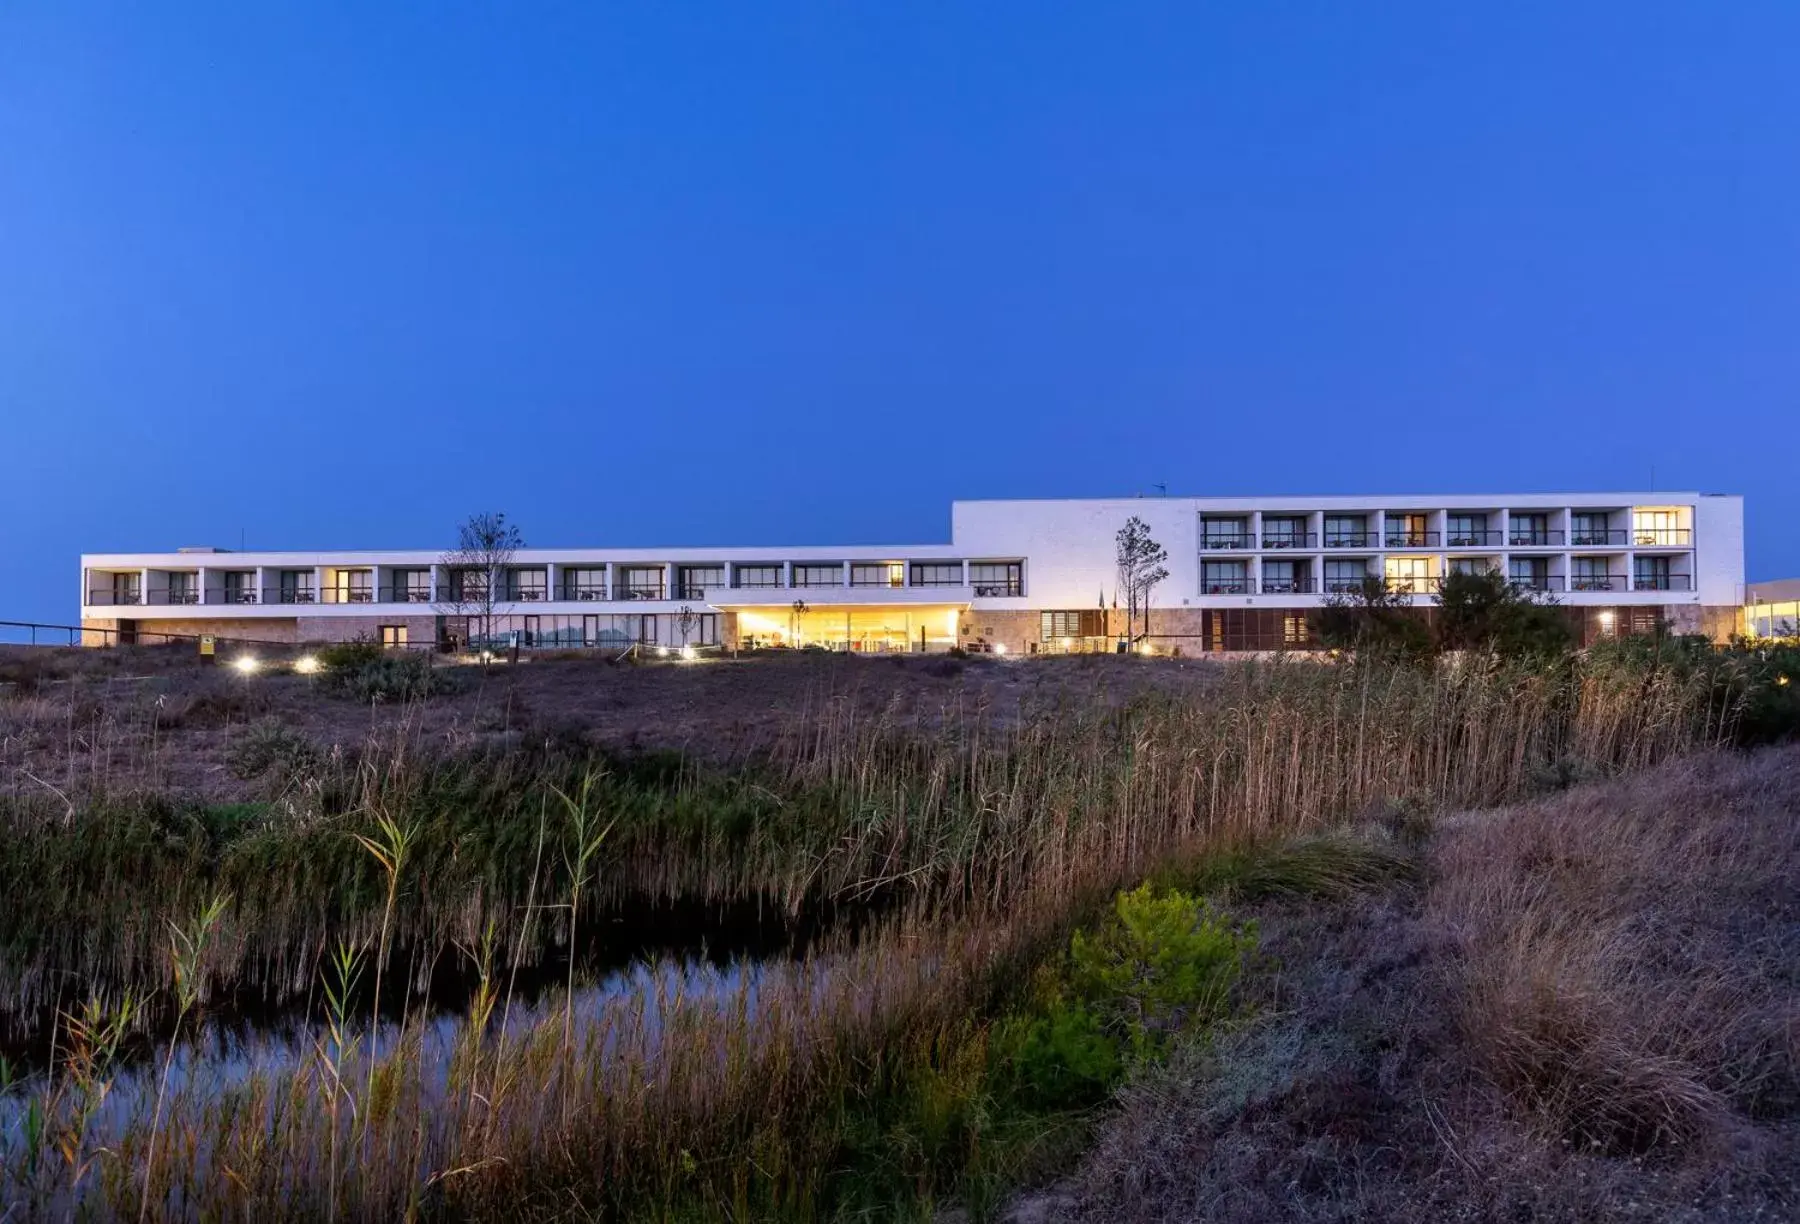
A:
(688, 652)
(306, 665)
(246, 664)
(662, 652)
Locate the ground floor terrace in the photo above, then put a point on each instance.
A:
(914, 627)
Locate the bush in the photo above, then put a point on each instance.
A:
(393, 677)
(269, 746)
(351, 656)
(1163, 963)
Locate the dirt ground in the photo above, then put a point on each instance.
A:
(75, 722)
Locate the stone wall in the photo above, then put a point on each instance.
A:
(273, 629)
(420, 630)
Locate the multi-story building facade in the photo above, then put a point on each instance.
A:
(1022, 576)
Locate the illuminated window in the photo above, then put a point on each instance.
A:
(1409, 575)
(1293, 630)
(885, 574)
(393, 635)
(1657, 527)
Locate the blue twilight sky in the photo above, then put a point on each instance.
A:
(339, 274)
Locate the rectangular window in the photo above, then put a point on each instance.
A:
(295, 586)
(693, 581)
(1343, 576)
(818, 575)
(1587, 529)
(757, 576)
(1651, 574)
(1054, 627)
(1293, 630)
(1657, 528)
(938, 575)
(1529, 573)
(240, 586)
(1468, 565)
(1410, 575)
(1466, 531)
(640, 582)
(412, 586)
(1285, 578)
(1284, 533)
(529, 585)
(1225, 578)
(126, 589)
(1530, 529)
(1408, 530)
(468, 585)
(995, 579)
(1590, 574)
(586, 585)
(1224, 533)
(885, 574)
(1346, 531)
(181, 589)
(393, 635)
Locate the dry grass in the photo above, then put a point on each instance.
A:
(1589, 1014)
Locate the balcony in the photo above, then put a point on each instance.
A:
(1597, 537)
(174, 598)
(1226, 586)
(1289, 539)
(1663, 582)
(586, 593)
(114, 599)
(1411, 585)
(1472, 539)
(762, 584)
(1349, 539)
(1540, 582)
(1662, 537)
(641, 591)
(349, 595)
(526, 595)
(1598, 582)
(999, 590)
(1288, 586)
(1412, 539)
(690, 591)
(240, 596)
(1534, 539)
(405, 594)
(1345, 586)
(1226, 543)
(294, 595)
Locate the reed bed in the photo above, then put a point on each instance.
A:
(986, 838)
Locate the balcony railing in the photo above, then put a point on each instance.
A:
(1598, 582)
(691, 591)
(1414, 586)
(525, 595)
(114, 599)
(1662, 537)
(937, 582)
(1533, 539)
(464, 596)
(759, 584)
(174, 598)
(1540, 582)
(1596, 537)
(896, 583)
(999, 590)
(349, 595)
(1288, 586)
(1412, 539)
(1215, 543)
(1225, 586)
(587, 593)
(1662, 582)
(641, 591)
(242, 595)
(294, 595)
(1289, 539)
(1349, 539)
(404, 594)
(1472, 539)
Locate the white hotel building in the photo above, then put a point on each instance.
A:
(1026, 576)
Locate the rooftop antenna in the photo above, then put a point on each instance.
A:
(1161, 489)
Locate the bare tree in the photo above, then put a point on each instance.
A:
(684, 621)
(475, 571)
(797, 622)
(1140, 560)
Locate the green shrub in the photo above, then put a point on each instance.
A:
(351, 656)
(1161, 964)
